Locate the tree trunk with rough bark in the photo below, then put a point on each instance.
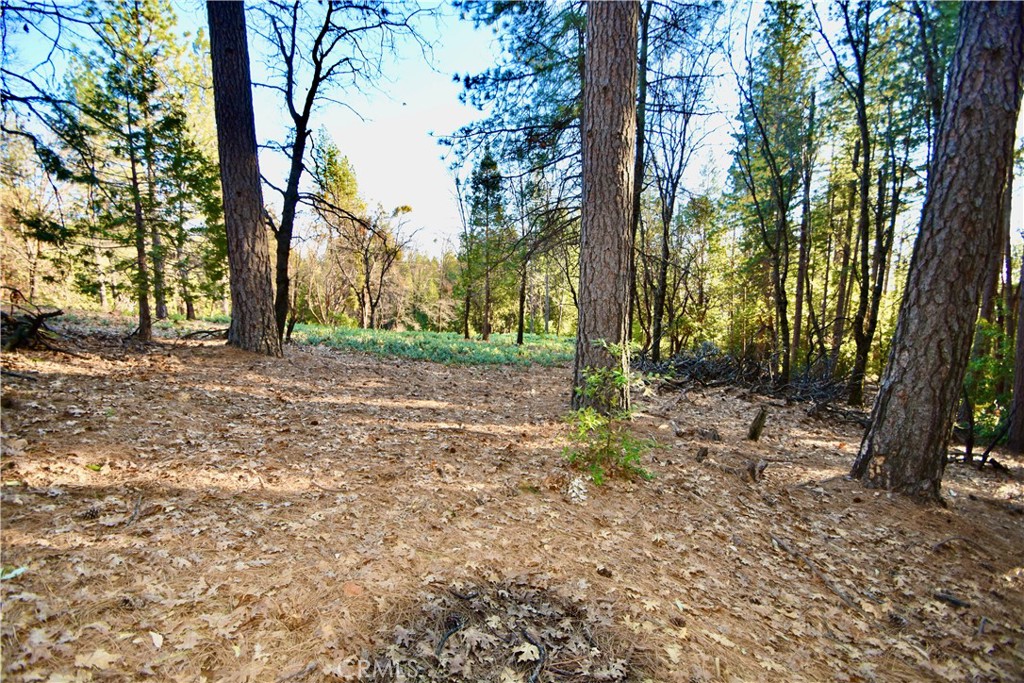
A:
(609, 135)
(253, 327)
(145, 331)
(905, 447)
(1015, 438)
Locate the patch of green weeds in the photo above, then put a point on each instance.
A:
(442, 347)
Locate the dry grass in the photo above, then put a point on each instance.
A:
(189, 512)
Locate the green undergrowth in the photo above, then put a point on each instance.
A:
(602, 441)
(442, 347)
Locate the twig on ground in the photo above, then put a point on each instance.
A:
(457, 622)
(135, 512)
(818, 482)
(19, 375)
(543, 655)
(57, 349)
(324, 488)
(817, 572)
(949, 540)
(301, 673)
(950, 599)
(206, 334)
(652, 414)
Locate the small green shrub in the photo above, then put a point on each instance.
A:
(603, 444)
(604, 447)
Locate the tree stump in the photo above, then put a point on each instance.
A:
(757, 426)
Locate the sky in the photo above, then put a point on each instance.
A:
(390, 135)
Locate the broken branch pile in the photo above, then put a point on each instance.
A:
(24, 324)
(708, 366)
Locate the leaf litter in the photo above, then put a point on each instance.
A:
(185, 511)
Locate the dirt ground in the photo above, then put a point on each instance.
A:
(188, 512)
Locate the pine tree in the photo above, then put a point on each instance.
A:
(905, 446)
(609, 130)
(133, 123)
(487, 218)
(253, 326)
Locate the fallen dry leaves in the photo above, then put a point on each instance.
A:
(184, 511)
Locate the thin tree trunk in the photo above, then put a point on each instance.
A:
(861, 336)
(780, 266)
(842, 296)
(1015, 438)
(805, 238)
(156, 240)
(1005, 317)
(522, 304)
(906, 445)
(101, 276)
(185, 285)
(547, 298)
(145, 332)
(283, 234)
(486, 332)
(638, 161)
(661, 286)
(933, 83)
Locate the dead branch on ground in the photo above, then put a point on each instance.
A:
(817, 572)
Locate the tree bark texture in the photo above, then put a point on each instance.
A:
(905, 447)
(609, 136)
(145, 331)
(253, 327)
(1015, 437)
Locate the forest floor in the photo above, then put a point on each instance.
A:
(183, 511)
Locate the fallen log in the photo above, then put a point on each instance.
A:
(23, 327)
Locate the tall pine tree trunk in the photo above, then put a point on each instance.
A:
(609, 135)
(145, 332)
(156, 239)
(522, 302)
(905, 447)
(253, 326)
(1015, 438)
